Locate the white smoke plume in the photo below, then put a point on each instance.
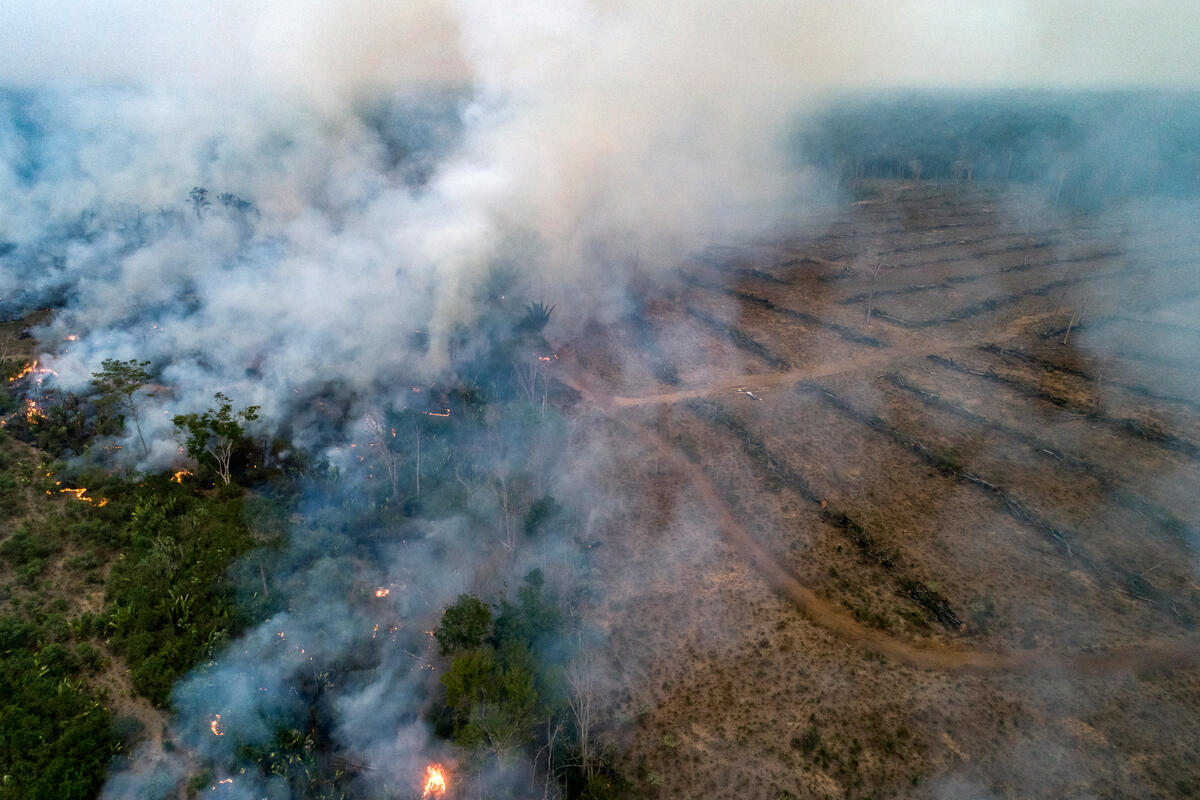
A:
(573, 146)
(594, 138)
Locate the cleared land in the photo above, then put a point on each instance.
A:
(908, 506)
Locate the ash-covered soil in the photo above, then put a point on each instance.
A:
(906, 505)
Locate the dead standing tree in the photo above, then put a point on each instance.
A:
(512, 496)
(383, 443)
(876, 263)
(583, 702)
(963, 170)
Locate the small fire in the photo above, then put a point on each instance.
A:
(71, 337)
(181, 474)
(81, 495)
(435, 782)
(31, 368)
(382, 591)
(214, 725)
(445, 413)
(33, 414)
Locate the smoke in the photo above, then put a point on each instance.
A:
(379, 175)
(586, 147)
(593, 140)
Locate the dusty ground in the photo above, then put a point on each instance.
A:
(908, 507)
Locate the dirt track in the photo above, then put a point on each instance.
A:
(828, 615)
(892, 505)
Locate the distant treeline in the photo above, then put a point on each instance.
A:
(1087, 149)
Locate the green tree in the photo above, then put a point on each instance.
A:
(465, 625)
(467, 681)
(494, 699)
(118, 383)
(211, 437)
(533, 617)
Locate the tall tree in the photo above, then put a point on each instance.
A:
(211, 437)
(465, 625)
(199, 197)
(118, 383)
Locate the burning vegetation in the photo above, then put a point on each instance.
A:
(435, 782)
(81, 495)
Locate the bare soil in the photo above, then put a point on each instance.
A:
(905, 506)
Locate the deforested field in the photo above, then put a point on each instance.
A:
(908, 504)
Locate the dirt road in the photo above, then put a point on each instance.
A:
(832, 617)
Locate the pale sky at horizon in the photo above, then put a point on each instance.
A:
(328, 47)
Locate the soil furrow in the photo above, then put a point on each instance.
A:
(1179, 530)
(1127, 425)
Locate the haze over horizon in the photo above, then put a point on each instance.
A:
(328, 49)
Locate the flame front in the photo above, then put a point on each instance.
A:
(435, 781)
(32, 368)
(80, 495)
(214, 725)
(180, 475)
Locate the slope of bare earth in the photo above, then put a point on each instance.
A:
(906, 506)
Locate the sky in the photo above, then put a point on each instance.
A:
(328, 48)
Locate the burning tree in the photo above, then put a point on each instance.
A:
(118, 383)
(211, 437)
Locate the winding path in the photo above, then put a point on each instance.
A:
(822, 612)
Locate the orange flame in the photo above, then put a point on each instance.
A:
(80, 495)
(32, 413)
(445, 413)
(435, 782)
(214, 725)
(181, 474)
(30, 369)
(382, 591)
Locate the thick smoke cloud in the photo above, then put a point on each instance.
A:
(589, 144)
(398, 156)
(596, 138)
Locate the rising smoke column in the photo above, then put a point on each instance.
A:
(594, 139)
